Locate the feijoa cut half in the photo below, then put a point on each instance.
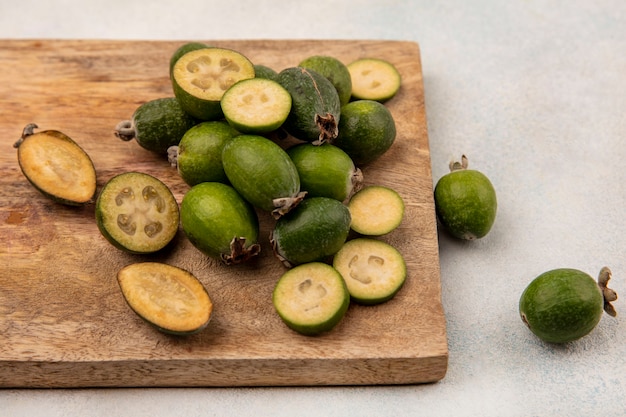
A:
(171, 299)
(256, 105)
(312, 231)
(220, 223)
(376, 210)
(183, 49)
(156, 125)
(311, 299)
(374, 79)
(325, 170)
(198, 156)
(56, 166)
(315, 107)
(565, 304)
(374, 270)
(137, 213)
(262, 172)
(367, 130)
(465, 202)
(201, 77)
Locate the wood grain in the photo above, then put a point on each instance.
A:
(63, 321)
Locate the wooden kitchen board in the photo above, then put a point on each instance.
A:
(63, 321)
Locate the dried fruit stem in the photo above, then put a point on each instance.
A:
(456, 165)
(28, 130)
(609, 295)
(285, 204)
(239, 253)
(125, 130)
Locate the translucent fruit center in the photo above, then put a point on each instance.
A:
(210, 73)
(366, 269)
(139, 212)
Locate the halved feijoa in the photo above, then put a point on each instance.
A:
(56, 166)
(374, 270)
(374, 79)
(198, 156)
(315, 107)
(170, 298)
(314, 230)
(336, 72)
(367, 130)
(376, 210)
(256, 105)
(325, 170)
(465, 202)
(137, 212)
(311, 298)
(220, 223)
(156, 125)
(201, 77)
(565, 304)
(183, 49)
(262, 172)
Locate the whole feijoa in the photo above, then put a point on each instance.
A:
(220, 223)
(465, 202)
(262, 172)
(198, 156)
(563, 305)
(336, 72)
(325, 170)
(367, 130)
(315, 229)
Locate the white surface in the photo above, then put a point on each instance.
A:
(534, 92)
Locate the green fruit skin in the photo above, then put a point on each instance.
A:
(313, 96)
(161, 123)
(263, 71)
(205, 110)
(183, 49)
(335, 71)
(325, 170)
(200, 152)
(466, 204)
(561, 305)
(367, 130)
(260, 170)
(318, 227)
(212, 214)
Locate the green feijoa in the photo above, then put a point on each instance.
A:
(336, 72)
(315, 107)
(465, 202)
(367, 130)
(315, 229)
(563, 305)
(311, 298)
(56, 166)
(220, 223)
(183, 49)
(198, 156)
(156, 125)
(262, 172)
(325, 170)
(263, 71)
(137, 213)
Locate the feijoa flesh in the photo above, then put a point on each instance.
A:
(312, 231)
(201, 77)
(262, 172)
(171, 299)
(137, 213)
(56, 166)
(374, 79)
(374, 270)
(315, 108)
(198, 156)
(311, 298)
(465, 202)
(156, 125)
(325, 170)
(563, 305)
(220, 223)
(182, 50)
(376, 210)
(367, 130)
